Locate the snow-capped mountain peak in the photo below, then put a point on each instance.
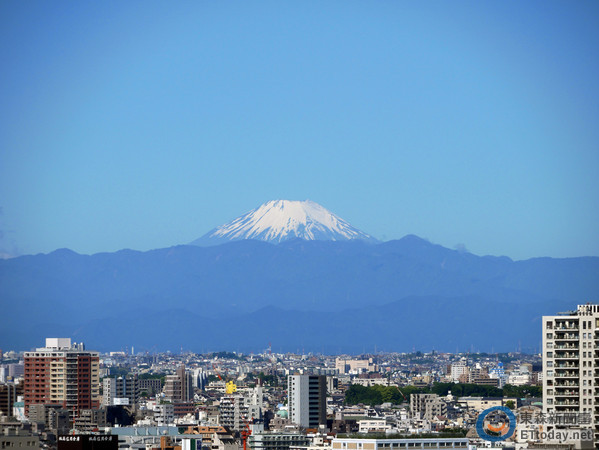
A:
(280, 220)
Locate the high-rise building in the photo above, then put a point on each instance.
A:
(62, 374)
(458, 369)
(9, 394)
(307, 400)
(179, 387)
(233, 412)
(571, 370)
(120, 390)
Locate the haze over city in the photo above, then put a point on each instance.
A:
(144, 124)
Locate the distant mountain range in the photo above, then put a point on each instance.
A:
(329, 296)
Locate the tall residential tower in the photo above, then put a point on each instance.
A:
(62, 374)
(571, 370)
(307, 400)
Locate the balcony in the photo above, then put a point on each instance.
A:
(567, 393)
(566, 384)
(566, 374)
(566, 327)
(566, 403)
(563, 336)
(566, 355)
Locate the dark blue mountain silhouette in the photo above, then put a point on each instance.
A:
(310, 295)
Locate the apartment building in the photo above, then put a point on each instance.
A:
(62, 374)
(307, 400)
(571, 369)
(233, 412)
(427, 406)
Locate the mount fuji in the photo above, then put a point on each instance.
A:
(282, 220)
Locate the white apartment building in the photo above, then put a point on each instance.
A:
(458, 369)
(571, 369)
(233, 412)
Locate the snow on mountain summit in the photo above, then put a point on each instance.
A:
(280, 220)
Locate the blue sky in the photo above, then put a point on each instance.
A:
(145, 124)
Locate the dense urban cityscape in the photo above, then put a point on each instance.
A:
(62, 395)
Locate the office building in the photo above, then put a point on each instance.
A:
(345, 366)
(307, 400)
(121, 391)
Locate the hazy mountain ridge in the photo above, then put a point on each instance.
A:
(351, 282)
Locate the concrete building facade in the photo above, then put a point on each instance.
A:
(62, 374)
(307, 400)
(427, 406)
(571, 369)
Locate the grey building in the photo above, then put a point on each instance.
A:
(120, 391)
(427, 406)
(277, 441)
(307, 400)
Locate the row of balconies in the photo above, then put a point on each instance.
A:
(567, 394)
(567, 374)
(566, 355)
(567, 403)
(564, 335)
(564, 383)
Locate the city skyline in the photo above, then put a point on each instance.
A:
(145, 125)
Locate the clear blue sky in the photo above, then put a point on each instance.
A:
(145, 124)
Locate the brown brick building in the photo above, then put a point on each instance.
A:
(62, 374)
